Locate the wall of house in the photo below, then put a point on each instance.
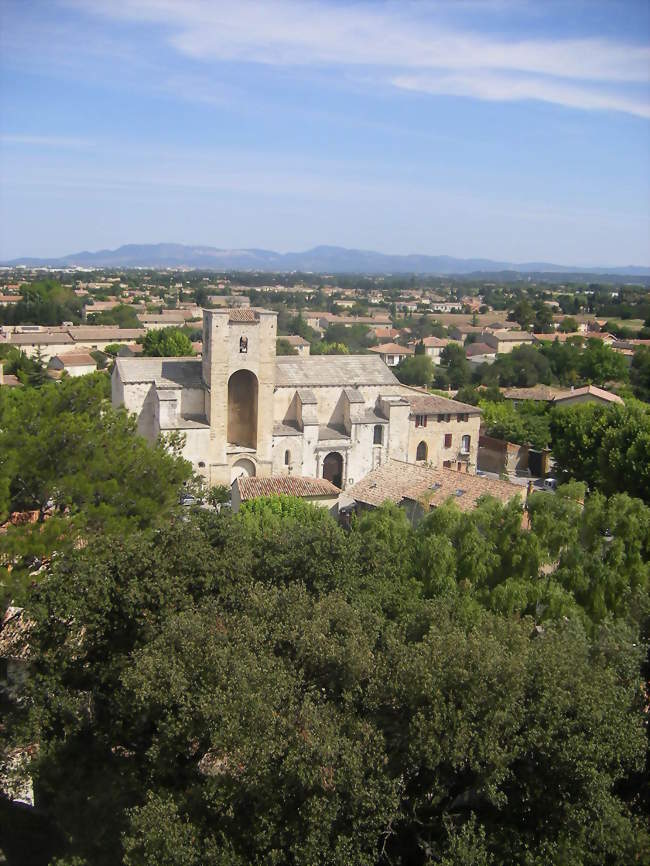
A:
(282, 444)
(79, 370)
(434, 436)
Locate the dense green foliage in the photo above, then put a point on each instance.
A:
(79, 464)
(528, 422)
(43, 302)
(415, 370)
(267, 688)
(358, 338)
(166, 343)
(608, 447)
(640, 373)
(122, 315)
(28, 371)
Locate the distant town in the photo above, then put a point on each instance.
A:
(267, 531)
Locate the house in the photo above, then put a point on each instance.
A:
(318, 491)
(542, 393)
(433, 347)
(418, 489)
(445, 432)
(301, 345)
(167, 319)
(480, 353)
(55, 341)
(245, 410)
(386, 334)
(588, 394)
(74, 364)
(392, 353)
(459, 333)
(505, 341)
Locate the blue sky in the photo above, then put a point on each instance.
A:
(507, 129)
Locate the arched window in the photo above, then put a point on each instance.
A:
(422, 451)
(287, 458)
(378, 437)
(201, 464)
(333, 468)
(464, 447)
(242, 409)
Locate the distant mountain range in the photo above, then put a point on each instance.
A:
(323, 259)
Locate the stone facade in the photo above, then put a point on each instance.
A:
(244, 411)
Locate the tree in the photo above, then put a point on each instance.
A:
(527, 423)
(607, 447)
(543, 323)
(640, 373)
(568, 325)
(522, 313)
(67, 455)
(122, 315)
(457, 366)
(166, 343)
(194, 706)
(43, 302)
(218, 495)
(600, 363)
(113, 349)
(415, 370)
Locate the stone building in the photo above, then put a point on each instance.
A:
(245, 411)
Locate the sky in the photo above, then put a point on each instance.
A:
(516, 130)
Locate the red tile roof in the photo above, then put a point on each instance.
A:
(242, 314)
(289, 485)
(396, 480)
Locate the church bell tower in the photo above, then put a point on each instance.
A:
(238, 371)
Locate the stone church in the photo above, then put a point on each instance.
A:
(245, 411)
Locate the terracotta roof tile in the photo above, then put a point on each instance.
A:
(289, 485)
(243, 314)
(397, 480)
(432, 404)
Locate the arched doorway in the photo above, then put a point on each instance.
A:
(242, 409)
(333, 468)
(243, 468)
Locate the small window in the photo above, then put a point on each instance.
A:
(422, 451)
(448, 440)
(446, 464)
(462, 417)
(420, 420)
(201, 464)
(243, 345)
(465, 443)
(378, 435)
(287, 458)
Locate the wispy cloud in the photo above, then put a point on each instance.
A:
(406, 43)
(46, 141)
(501, 88)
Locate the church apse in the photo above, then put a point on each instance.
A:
(242, 409)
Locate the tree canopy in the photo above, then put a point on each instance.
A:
(79, 465)
(166, 343)
(267, 688)
(608, 447)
